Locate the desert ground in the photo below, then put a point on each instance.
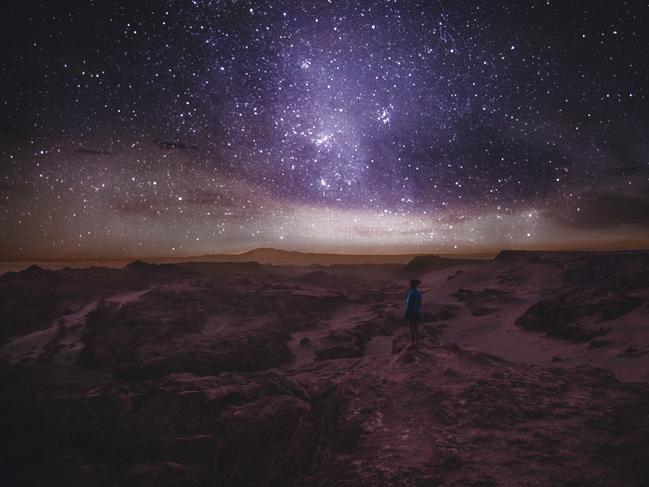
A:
(533, 369)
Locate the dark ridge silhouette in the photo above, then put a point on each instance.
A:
(424, 264)
(146, 268)
(514, 255)
(34, 270)
(139, 265)
(223, 268)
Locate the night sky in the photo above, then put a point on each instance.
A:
(153, 128)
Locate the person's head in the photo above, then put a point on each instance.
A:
(414, 283)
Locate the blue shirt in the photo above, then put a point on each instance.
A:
(413, 302)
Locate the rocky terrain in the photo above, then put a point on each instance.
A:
(533, 370)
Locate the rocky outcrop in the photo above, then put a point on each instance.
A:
(577, 316)
(424, 264)
(192, 377)
(434, 416)
(32, 299)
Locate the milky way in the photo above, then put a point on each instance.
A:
(183, 128)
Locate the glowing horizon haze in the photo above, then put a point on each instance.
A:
(201, 127)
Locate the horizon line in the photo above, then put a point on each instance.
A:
(485, 252)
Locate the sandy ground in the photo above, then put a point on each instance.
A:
(496, 333)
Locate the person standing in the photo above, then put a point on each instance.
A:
(413, 311)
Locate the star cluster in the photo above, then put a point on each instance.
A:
(190, 127)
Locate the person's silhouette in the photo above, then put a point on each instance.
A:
(413, 311)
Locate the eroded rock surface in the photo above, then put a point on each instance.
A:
(434, 416)
(243, 374)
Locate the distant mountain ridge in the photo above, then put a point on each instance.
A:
(423, 264)
(269, 255)
(262, 255)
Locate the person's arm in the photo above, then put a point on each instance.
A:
(408, 298)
